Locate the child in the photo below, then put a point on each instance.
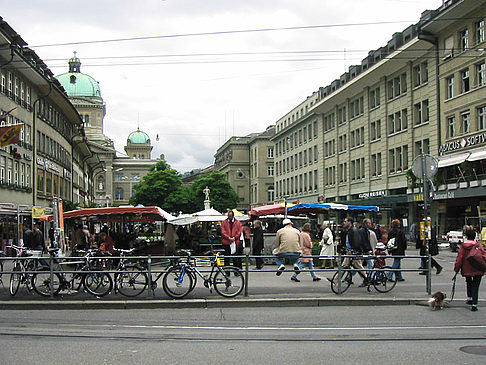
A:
(380, 250)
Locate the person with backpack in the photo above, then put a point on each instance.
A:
(469, 269)
(397, 244)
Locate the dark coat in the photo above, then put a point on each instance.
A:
(38, 240)
(401, 241)
(257, 239)
(354, 239)
(365, 240)
(462, 264)
(28, 238)
(433, 244)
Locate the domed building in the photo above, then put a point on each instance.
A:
(116, 176)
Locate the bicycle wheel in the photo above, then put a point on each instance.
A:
(229, 281)
(132, 282)
(346, 279)
(177, 282)
(98, 283)
(381, 281)
(15, 279)
(41, 282)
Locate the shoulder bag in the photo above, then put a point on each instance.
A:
(476, 259)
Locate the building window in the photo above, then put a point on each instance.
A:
(270, 170)
(343, 172)
(482, 118)
(342, 145)
(316, 153)
(422, 147)
(376, 164)
(464, 39)
(481, 74)
(118, 177)
(465, 81)
(451, 126)
(356, 107)
(341, 115)
(270, 152)
(479, 31)
(450, 87)
(375, 130)
(315, 129)
(270, 194)
(374, 98)
(466, 123)
(118, 194)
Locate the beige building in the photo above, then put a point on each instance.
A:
(248, 165)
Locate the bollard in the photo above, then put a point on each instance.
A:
(51, 283)
(429, 276)
(247, 264)
(339, 273)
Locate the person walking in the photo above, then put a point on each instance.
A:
(327, 244)
(433, 250)
(398, 249)
(38, 242)
(230, 234)
(287, 246)
(364, 231)
(306, 245)
(246, 234)
(258, 243)
(473, 276)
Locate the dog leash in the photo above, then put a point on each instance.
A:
(453, 288)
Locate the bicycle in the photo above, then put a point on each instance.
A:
(131, 280)
(378, 277)
(21, 269)
(180, 280)
(86, 273)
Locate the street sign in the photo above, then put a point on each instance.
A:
(431, 166)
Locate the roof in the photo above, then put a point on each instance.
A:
(138, 137)
(78, 84)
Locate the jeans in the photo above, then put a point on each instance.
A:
(309, 264)
(472, 287)
(397, 264)
(292, 256)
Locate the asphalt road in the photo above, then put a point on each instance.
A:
(312, 335)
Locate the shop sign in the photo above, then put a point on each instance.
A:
(372, 194)
(444, 195)
(38, 212)
(418, 197)
(462, 143)
(40, 161)
(49, 166)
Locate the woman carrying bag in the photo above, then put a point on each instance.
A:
(472, 274)
(327, 244)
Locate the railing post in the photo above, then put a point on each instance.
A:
(149, 274)
(247, 264)
(429, 272)
(339, 272)
(51, 269)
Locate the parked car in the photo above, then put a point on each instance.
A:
(455, 239)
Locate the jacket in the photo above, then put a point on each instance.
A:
(287, 240)
(258, 238)
(355, 239)
(462, 264)
(401, 241)
(306, 246)
(228, 231)
(365, 240)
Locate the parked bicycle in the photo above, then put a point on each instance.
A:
(131, 280)
(85, 272)
(21, 269)
(180, 280)
(376, 277)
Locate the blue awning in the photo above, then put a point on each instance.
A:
(319, 208)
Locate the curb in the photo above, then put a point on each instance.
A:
(201, 303)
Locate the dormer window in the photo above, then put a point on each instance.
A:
(72, 79)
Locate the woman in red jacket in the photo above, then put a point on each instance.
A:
(473, 276)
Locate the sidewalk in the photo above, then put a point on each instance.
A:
(264, 289)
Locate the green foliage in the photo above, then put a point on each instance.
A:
(161, 187)
(221, 194)
(68, 205)
(411, 179)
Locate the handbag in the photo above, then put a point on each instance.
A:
(476, 259)
(391, 244)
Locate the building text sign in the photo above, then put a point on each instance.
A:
(462, 143)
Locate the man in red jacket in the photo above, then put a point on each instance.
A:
(231, 232)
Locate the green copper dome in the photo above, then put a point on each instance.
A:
(138, 137)
(77, 84)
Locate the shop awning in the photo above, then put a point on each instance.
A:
(207, 215)
(454, 159)
(306, 208)
(155, 213)
(477, 155)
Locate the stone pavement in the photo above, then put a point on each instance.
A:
(266, 289)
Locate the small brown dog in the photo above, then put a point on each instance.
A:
(437, 300)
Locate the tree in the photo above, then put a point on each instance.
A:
(222, 195)
(161, 187)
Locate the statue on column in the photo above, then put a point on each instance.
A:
(207, 202)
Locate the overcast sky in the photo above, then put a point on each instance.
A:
(196, 89)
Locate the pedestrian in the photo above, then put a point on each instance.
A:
(230, 238)
(306, 245)
(351, 241)
(38, 242)
(364, 231)
(473, 276)
(377, 230)
(28, 237)
(398, 249)
(258, 243)
(433, 250)
(287, 246)
(327, 244)
(246, 234)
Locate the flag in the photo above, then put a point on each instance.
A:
(10, 134)
(4, 115)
